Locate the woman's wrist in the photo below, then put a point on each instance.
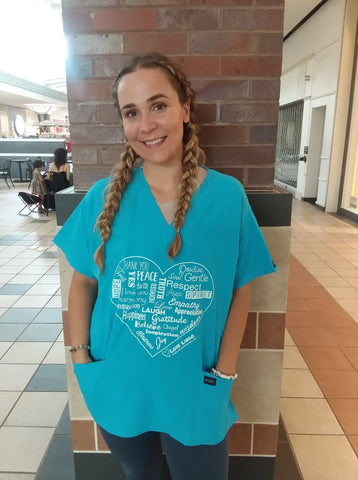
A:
(226, 376)
(226, 366)
(81, 356)
(81, 346)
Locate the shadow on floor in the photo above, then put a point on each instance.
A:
(285, 466)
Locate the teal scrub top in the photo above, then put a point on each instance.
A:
(157, 323)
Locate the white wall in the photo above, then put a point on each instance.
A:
(311, 66)
(352, 150)
(341, 130)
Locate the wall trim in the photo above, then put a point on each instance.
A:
(271, 208)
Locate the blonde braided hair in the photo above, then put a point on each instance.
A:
(188, 185)
(192, 156)
(122, 175)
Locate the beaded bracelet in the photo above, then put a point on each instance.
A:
(78, 347)
(217, 373)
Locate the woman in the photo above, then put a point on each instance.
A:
(163, 256)
(61, 166)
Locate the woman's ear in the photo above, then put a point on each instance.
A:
(186, 108)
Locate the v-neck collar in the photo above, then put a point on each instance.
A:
(153, 200)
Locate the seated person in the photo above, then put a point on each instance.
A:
(60, 165)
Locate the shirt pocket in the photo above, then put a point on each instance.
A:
(215, 412)
(92, 379)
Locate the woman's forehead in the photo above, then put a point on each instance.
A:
(142, 84)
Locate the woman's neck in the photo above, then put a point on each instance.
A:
(163, 181)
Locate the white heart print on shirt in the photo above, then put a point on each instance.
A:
(161, 309)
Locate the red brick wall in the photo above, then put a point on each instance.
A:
(231, 50)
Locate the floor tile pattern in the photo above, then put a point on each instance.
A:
(33, 391)
(320, 378)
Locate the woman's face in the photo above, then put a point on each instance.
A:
(152, 116)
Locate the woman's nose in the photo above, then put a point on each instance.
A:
(147, 123)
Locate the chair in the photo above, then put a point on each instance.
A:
(54, 182)
(29, 171)
(30, 201)
(5, 172)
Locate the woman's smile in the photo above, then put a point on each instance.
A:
(155, 142)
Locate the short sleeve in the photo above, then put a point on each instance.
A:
(77, 238)
(254, 258)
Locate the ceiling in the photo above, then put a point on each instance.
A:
(26, 95)
(22, 94)
(30, 68)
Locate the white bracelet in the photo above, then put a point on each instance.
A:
(217, 373)
(79, 347)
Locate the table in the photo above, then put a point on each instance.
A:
(21, 158)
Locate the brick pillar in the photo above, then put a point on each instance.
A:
(231, 50)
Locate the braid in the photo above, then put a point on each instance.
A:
(191, 158)
(122, 176)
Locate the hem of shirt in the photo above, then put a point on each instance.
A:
(249, 278)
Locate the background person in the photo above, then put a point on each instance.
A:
(38, 186)
(163, 256)
(61, 165)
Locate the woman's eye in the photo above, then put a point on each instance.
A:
(158, 107)
(130, 114)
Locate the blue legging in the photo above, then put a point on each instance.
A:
(141, 457)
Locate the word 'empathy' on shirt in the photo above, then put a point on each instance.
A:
(161, 307)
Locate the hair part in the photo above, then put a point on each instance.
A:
(193, 156)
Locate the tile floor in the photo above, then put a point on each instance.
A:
(320, 378)
(319, 398)
(33, 389)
